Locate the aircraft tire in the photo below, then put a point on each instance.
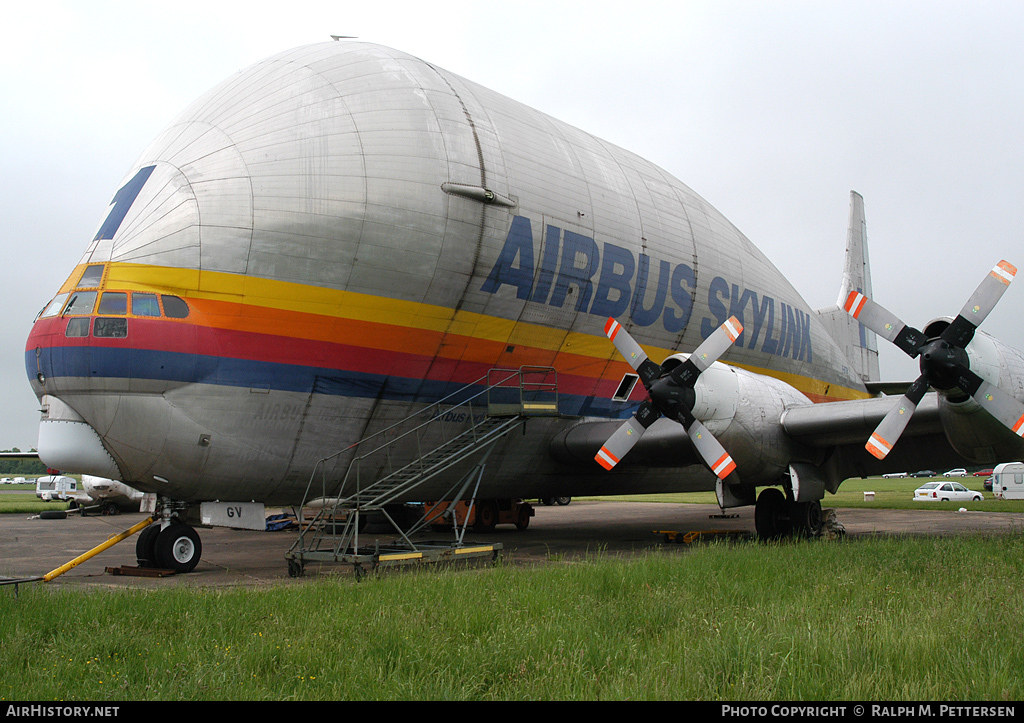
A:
(807, 517)
(178, 548)
(145, 546)
(563, 501)
(772, 515)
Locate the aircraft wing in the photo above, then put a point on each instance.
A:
(852, 422)
(833, 428)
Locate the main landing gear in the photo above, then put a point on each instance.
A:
(172, 545)
(776, 516)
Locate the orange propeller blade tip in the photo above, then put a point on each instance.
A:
(724, 466)
(606, 459)
(855, 303)
(878, 446)
(1004, 271)
(733, 328)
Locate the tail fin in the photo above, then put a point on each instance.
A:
(857, 342)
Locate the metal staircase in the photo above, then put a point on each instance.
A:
(387, 468)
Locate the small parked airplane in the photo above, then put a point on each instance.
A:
(344, 234)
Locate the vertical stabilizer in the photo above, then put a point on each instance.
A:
(857, 342)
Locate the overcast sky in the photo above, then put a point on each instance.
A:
(772, 111)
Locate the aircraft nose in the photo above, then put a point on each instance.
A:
(67, 441)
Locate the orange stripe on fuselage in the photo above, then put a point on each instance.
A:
(233, 316)
(289, 310)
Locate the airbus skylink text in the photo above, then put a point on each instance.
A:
(874, 710)
(609, 280)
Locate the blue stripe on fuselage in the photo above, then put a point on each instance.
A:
(104, 363)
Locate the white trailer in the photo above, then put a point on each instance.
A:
(53, 487)
(1008, 481)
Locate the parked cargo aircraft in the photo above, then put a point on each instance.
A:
(342, 234)
(110, 496)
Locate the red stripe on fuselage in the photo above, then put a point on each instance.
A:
(476, 357)
(266, 334)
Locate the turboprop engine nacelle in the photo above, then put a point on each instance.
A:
(740, 408)
(973, 432)
(743, 410)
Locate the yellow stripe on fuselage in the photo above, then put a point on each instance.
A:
(229, 292)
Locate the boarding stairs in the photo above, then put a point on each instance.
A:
(387, 467)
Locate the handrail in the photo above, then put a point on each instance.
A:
(497, 378)
(531, 397)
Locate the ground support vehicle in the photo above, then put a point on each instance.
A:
(481, 515)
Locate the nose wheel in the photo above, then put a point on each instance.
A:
(174, 547)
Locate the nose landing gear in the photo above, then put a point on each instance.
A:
(174, 546)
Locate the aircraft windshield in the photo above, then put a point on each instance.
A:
(114, 302)
(55, 306)
(81, 303)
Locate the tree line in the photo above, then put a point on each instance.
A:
(20, 467)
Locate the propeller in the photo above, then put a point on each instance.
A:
(670, 394)
(944, 361)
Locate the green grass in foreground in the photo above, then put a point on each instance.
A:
(888, 619)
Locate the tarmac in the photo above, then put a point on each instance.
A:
(32, 547)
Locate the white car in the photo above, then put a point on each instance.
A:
(894, 475)
(945, 491)
(959, 472)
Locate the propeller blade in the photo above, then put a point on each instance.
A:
(982, 301)
(994, 400)
(631, 352)
(623, 439)
(710, 449)
(892, 426)
(667, 393)
(943, 360)
(884, 323)
(717, 343)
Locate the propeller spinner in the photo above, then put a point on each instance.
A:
(944, 361)
(670, 394)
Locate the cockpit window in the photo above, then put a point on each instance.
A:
(114, 302)
(110, 327)
(174, 308)
(54, 307)
(92, 276)
(145, 305)
(78, 327)
(81, 304)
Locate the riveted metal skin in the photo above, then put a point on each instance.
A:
(342, 233)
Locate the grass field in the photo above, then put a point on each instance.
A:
(873, 619)
(895, 619)
(21, 499)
